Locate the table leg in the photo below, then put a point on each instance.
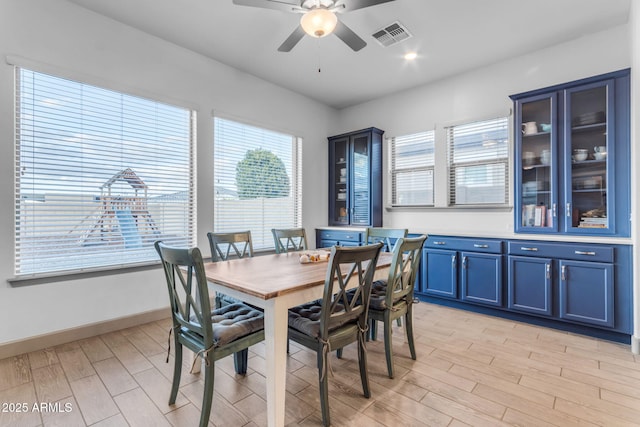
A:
(275, 328)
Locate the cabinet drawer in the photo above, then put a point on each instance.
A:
(461, 244)
(342, 236)
(562, 250)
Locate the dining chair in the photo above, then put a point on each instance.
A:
(340, 316)
(384, 235)
(212, 335)
(289, 239)
(224, 245)
(393, 298)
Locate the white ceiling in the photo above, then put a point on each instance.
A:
(450, 37)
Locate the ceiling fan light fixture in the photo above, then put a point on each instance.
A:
(318, 22)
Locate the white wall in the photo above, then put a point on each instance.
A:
(479, 94)
(61, 38)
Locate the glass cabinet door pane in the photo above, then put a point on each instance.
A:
(361, 191)
(339, 181)
(588, 116)
(537, 163)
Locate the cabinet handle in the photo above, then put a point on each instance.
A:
(439, 243)
(568, 210)
(476, 245)
(524, 248)
(554, 209)
(591, 253)
(453, 262)
(548, 271)
(464, 262)
(563, 272)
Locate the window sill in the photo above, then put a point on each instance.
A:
(485, 208)
(46, 278)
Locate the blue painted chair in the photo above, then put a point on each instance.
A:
(340, 316)
(212, 335)
(236, 244)
(384, 235)
(290, 239)
(393, 298)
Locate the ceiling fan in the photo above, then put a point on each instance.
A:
(318, 19)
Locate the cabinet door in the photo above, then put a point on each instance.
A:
(327, 243)
(481, 277)
(530, 285)
(536, 164)
(589, 136)
(440, 273)
(339, 209)
(587, 292)
(359, 179)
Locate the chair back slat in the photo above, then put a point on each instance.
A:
(404, 267)
(384, 235)
(188, 290)
(346, 266)
(289, 240)
(224, 245)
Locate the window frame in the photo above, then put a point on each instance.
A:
(504, 161)
(427, 141)
(122, 257)
(262, 238)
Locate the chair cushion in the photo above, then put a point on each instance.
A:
(378, 295)
(234, 321)
(306, 318)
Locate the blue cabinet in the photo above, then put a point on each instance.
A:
(530, 285)
(587, 292)
(587, 284)
(465, 269)
(580, 287)
(572, 162)
(440, 271)
(326, 238)
(355, 178)
(481, 278)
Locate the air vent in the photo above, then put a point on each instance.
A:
(392, 34)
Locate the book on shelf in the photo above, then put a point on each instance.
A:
(593, 222)
(591, 225)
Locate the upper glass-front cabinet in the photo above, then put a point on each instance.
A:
(572, 158)
(588, 135)
(537, 163)
(355, 178)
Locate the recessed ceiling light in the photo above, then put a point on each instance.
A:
(410, 56)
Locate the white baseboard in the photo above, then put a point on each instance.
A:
(635, 344)
(52, 339)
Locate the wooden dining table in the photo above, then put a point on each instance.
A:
(275, 283)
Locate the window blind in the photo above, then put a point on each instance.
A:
(257, 180)
(99, 176)
(479, 163)
(412, 161)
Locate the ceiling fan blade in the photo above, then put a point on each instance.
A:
(350, 5)
(292, 40)
(283, 5)
(347, 35)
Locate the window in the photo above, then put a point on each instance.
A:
(412, 169)
(99, 176)
(257, 181)
(479, 163)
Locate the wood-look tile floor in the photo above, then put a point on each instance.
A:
(471, 370)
